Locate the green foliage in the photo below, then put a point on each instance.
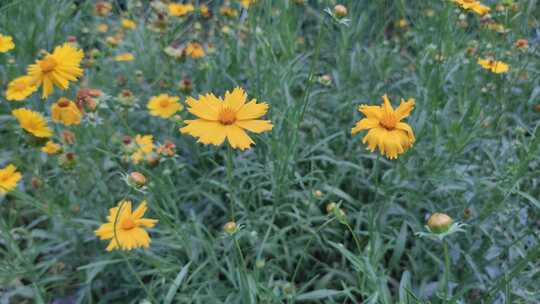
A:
(476, 158)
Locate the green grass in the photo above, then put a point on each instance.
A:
(477, 148)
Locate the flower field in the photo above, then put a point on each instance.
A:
(288, 151)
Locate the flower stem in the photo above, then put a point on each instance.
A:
(446, 269)
(229, 169)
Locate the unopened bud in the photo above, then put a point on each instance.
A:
(439, 222)
(340, 11)
(137, 179)
(230, 227)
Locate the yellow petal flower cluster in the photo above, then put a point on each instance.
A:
(9, 177)
(125, 228)
(57, 69)
(473, 5)
(66, 111)
(51, 148)
(32, 122)
(179, 10)
(386, 131)
(20, 88)
(164, 106)
(229, 119)
(497, 67)
(6, 43)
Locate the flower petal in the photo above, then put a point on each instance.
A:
(256, 126)
(207, 132)
(364, 124)
(235, 99)
(405, 108)
(238, 138)
(251, 110)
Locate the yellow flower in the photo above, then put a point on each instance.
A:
(33, 122)
(58, 68)
(9, 177)
(228, 11)
(473, 5)
(66, 112)
(205, 11)
(195, 50)
(128, 24)
(497, 67)
(20, 88)
(164, 105)
(219, 119)
(102, 28)
(145, 146)
(6, 43)
(124, 57)
(51, 148)
(386, 130)
(246, 3)
(125, 229)
(179, 10)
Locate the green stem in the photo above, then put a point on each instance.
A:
(229, 169)
(307, 246)
(446, 274)
(356, 241)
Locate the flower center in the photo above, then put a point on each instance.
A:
(164, 103)
(48, 64)
(388, 121)
(63, 103)
(128, 224)
(227, 116)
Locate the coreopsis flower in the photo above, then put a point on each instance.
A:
(125, 228)
(218, 119)
(124, 57)
(497, 67)
(228, 11)
(9, 177)
(179, 9)
(51, 148)
(20, 88)
(102, 28)
(102, 8)
(164, 106)
(195, 50)
(246, 3)
(128, 24)
(32, 122)
(6, 43)
(144, 145)
(205, 11)
(66, 111)
(473, 5)
(58, 68)
(386, 131)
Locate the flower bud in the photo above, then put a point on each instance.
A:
(439, 222)
(137, 179)
(340, 11)
(230, 227)
(317, 193)
(36, 182)
(330, 207)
